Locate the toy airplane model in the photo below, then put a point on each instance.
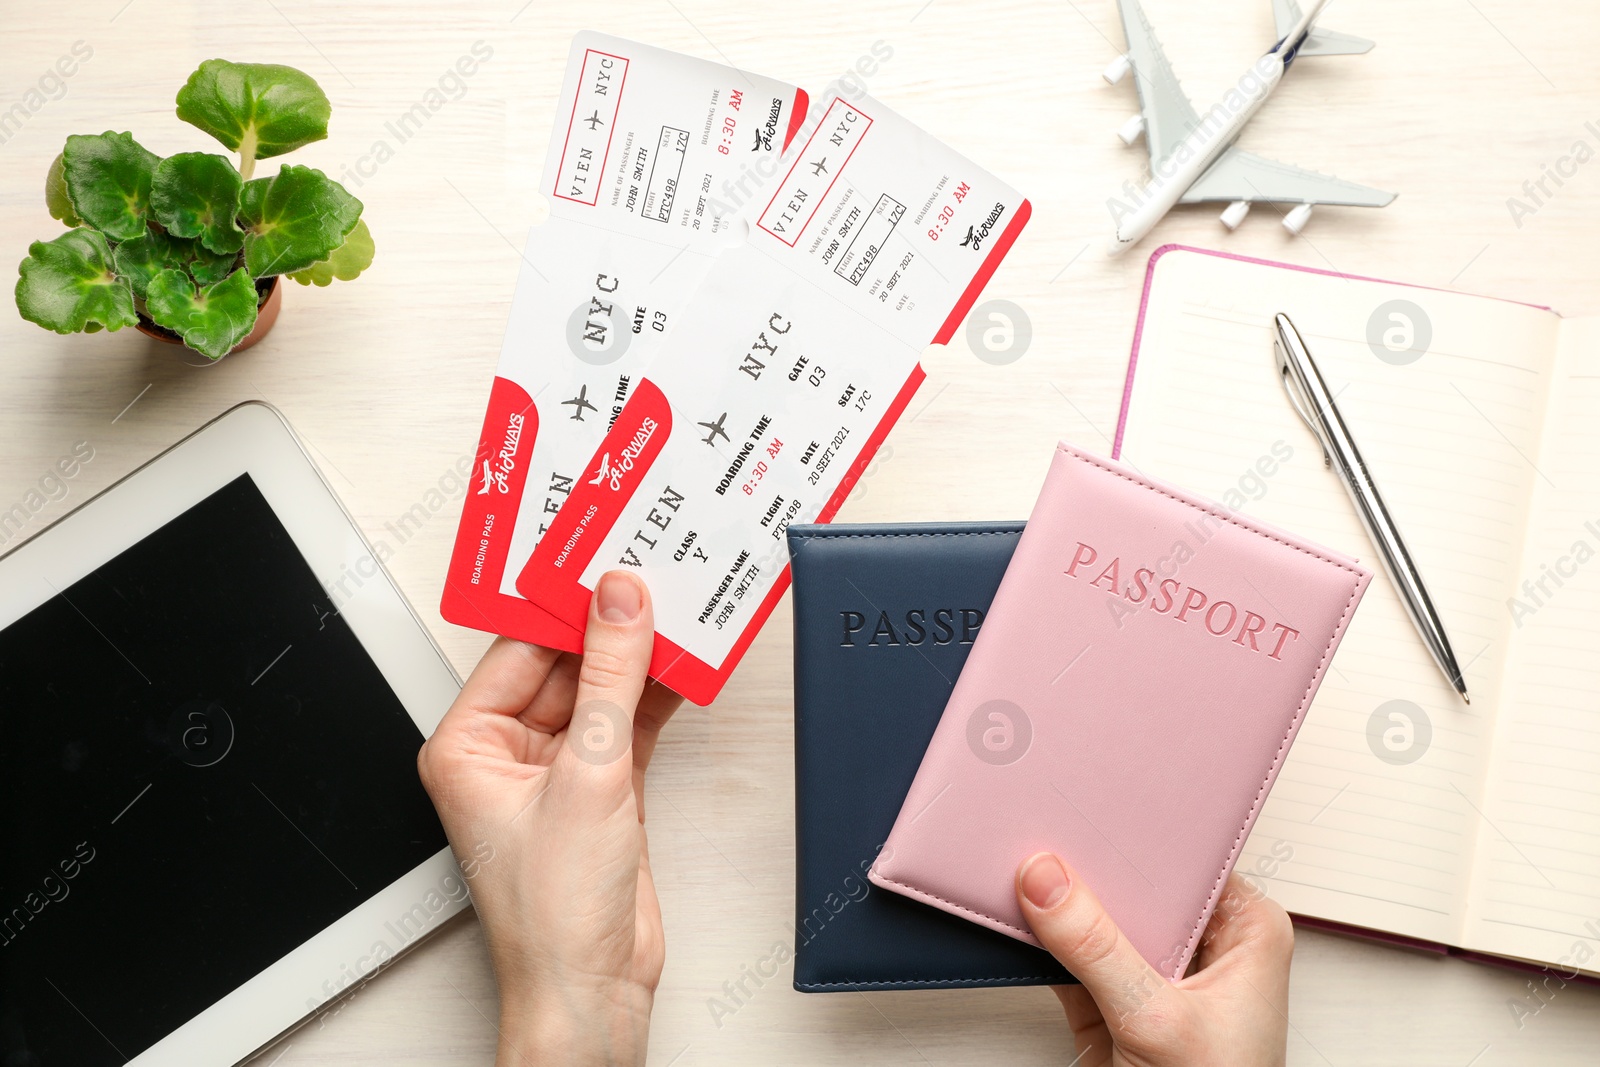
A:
(1193, 158)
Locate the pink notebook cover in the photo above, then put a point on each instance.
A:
(1129, 700)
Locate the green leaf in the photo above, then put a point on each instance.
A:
(152, 252)
(144, 257)
(294, 220)
(108, 180)
(67, 285)
(196, 194)
(55, 195)
(259, 110)
(206, 266)
(346, 262)
(210, 321)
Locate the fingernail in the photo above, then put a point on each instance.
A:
(1044, 881)
(618, 597)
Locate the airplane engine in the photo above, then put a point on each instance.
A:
(1117, 70)
(1296, 219)
(1234, 213)
(1131, 130)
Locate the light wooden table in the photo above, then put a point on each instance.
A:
(1462, 102)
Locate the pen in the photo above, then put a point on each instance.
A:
(1311, 400)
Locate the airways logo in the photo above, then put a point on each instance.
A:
(497, 471)
(938, 626)
(976, 235)
(612, 473)
(765, 134)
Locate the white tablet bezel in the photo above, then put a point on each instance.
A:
(254, 438)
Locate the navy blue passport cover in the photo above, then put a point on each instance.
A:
(884, 616)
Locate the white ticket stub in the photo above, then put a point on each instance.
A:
(645, 141)
(769, 395)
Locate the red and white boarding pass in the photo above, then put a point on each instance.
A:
(777, 384)
(648, 147)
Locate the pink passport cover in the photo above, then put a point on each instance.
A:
(1127, 704)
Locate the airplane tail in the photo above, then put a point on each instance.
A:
(1318, 42)
(1333, 43)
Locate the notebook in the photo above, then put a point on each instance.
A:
(1473, 828)
(884, 616)
(1126, 705)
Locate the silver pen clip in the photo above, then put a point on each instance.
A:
(1286, 334)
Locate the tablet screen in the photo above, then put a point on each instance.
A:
(200, 768)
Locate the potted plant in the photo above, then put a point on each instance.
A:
(190, 248)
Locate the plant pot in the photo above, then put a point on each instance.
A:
(271, 300)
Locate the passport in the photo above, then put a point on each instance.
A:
(884, 617)
(1126, 704)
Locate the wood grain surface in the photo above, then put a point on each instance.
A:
(386, 378)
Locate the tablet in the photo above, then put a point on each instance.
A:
(211, 702)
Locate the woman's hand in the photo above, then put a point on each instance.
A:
(538, 771)
(1233, 1010)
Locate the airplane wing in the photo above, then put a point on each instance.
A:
(1168, 115)
(1286, 13)
(1240, 175)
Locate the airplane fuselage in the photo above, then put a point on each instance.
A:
(1216, 131)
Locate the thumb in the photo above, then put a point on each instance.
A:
(1070, 921)
(617, 643)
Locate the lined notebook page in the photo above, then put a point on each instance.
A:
(1351, 832)
(1537, 881)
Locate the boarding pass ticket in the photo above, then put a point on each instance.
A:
(647, 148)
(781, 376)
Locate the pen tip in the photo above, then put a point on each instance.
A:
(1465, 697)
